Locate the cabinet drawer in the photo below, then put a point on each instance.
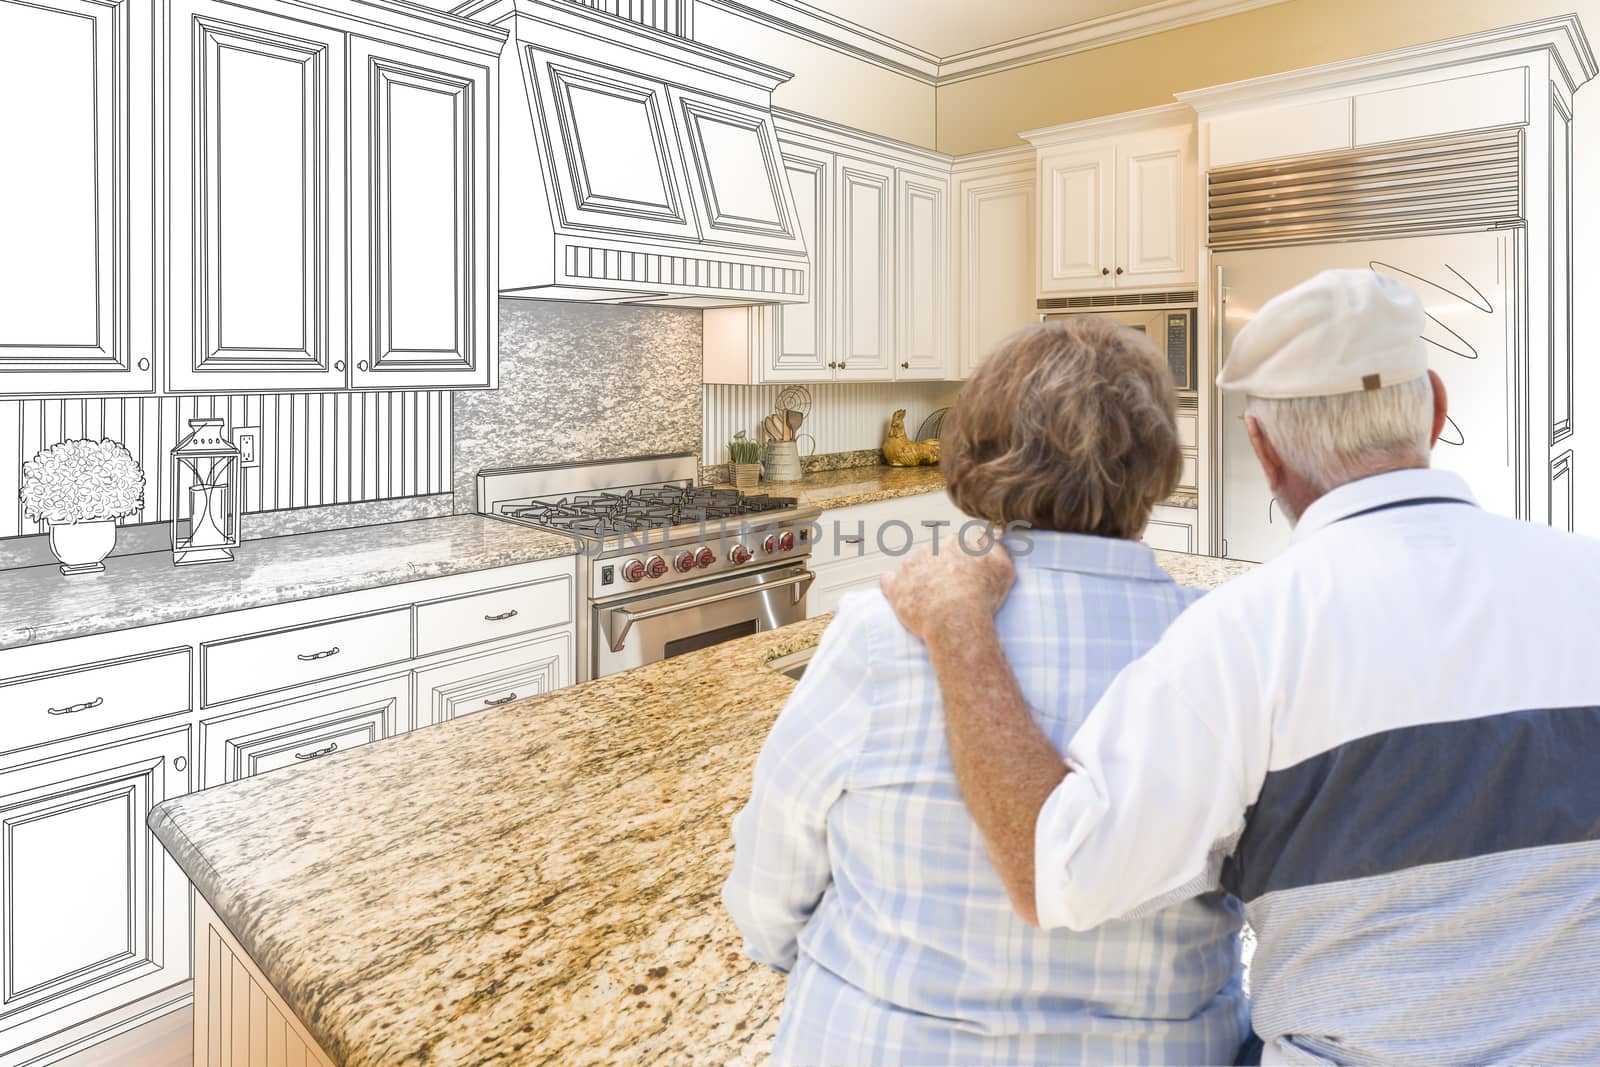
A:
(883, 527)
(487, 681)
(47, 707)
(1190, 478)
(265, 663)
(300, 731)
(469, 620)
(1188, 430)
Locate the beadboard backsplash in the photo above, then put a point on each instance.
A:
(845, 417)
(316, 448)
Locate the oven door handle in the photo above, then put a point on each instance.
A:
(618, 621)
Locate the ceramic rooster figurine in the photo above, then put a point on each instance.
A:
(900, 451)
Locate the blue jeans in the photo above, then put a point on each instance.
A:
(1250, 1052)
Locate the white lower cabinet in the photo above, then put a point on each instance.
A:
(298, 731)
(93, 914)
(488, 680)
(859, 545)
(97, 731)
(1173, 529)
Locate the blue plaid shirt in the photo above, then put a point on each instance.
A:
(858, 870)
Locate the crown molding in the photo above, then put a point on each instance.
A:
(1158, 17)
(1562, 37)
(1149, 118)
(800, 19)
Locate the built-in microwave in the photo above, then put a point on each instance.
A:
(1172, 329)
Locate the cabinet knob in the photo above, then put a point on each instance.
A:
(362, 366)
(1104, 271)
(841, 364)
(1119, 270)
(144, 364)
(180, 763)
(339, 366)
(833, 364)
(905, 366)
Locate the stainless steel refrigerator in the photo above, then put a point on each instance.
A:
(1467, 288)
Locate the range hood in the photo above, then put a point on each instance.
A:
(637, 166)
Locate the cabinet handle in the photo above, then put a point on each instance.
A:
(1104, 271)
(331, 746)
(508, 698)
(850, 540)
(502, 617)
(75, 708)
(309, 656)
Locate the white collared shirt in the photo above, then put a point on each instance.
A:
(1386, 742)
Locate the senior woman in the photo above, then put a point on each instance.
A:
(857, 868)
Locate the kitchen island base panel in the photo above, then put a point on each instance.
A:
(239, 1019)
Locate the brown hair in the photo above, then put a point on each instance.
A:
(1068, 426)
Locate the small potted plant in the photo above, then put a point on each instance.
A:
(81, 488)
(746, 457)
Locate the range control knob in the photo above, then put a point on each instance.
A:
(704, 558)
(655, 567)
(738, 554)
(684, 562)
(769, 544)
(786, 540)
(633, 571)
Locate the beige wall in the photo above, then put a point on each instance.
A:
(827, 83)
(988, 112)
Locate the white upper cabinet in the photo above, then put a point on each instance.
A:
(1156, 231)
(75, 223)
(1116, 203)
(802, 347)
(424, 303)
(926, 319)
(740, 188)
(866, 309)
(258, 256)
(271, 284)
(1077, 216)
(994, 256)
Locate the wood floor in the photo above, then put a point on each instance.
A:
(163, 1042)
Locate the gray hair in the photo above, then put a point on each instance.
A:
(1332, 440)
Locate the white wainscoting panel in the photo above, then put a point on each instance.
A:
(844, 417)
(316, 448)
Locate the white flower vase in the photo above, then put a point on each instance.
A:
(80, 546)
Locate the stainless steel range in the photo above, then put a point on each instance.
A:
(664, 566)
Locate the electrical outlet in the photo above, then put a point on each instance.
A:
(248, 438)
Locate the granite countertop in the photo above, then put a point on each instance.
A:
(849, 486)
(534, 884)
(39, 604)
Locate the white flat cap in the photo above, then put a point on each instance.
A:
(1341, 332)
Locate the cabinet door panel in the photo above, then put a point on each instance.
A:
(617, 168)
(1076, 190)
(66, 213)
(924, 272)
(488, 681)
(92, 912)
(419, 219)
(1154, 243)
(258, 249)
(299, 731)
(866, 270)
(803, 346)
(738, 183)
(996, 262)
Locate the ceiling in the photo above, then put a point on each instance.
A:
(945, 28)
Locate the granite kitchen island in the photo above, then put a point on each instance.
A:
(538, 883)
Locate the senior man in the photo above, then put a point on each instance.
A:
(1386, 742)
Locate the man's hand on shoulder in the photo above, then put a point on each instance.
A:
(940, 594)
